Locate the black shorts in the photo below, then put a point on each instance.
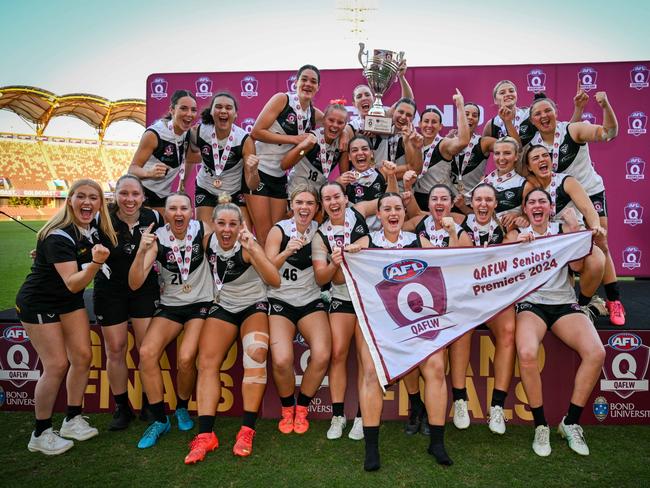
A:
(203, 198)
(271, 186)
(237, 318)
(114, 307)
(549, 313)
(151, 199)
(422, 200)
(294, 314)
(36, 317)
(184, 313)
(600, 203)
(341, 306)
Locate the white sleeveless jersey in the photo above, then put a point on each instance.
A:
(438, 172)
(199, 279)
(558, 290)
(170, 150)
(298, 285)
(231, 176)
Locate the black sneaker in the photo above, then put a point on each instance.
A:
(412, 427)
(121, 418)
(146, 415)
(424, 426)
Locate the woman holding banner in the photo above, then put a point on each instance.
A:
(576, 161)
(553, 307)
(161, 155)
(391, 213)
(50, 307)
(285, 121)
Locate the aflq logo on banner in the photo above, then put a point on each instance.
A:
(412, 302)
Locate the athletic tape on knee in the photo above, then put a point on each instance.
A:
(250, 345)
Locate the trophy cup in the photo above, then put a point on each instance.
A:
(381, 73)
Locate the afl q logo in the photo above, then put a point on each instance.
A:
(18, 366)
(248, 124)
(203, 87)
(631, 257)
(249, 87)
(291, 84)
(636, 123)
(588, 117)
(159, 88)
(412, 291)
(626, 364)
(536, 81)
(633, 214)
(639, 76)
(587, 77)
(634, 169)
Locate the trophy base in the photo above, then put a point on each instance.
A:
(378, 124)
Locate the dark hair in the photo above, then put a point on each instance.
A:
(113, 207)
(206, 115)
(484, 185)
(330, 183)
(311, 67)
(474, 105)
(176, 96)
(432, 110)
(362, 137)
(440, 185)
(388, 194)
(537, 188)
(408, 101)
(178, 194)
(541, 97)
(530, 149)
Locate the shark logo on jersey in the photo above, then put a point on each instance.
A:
(509, 194)
(359, 229)
(278, 307)
(200, 198)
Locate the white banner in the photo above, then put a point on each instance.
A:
(412, 302)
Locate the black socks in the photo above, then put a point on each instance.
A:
(371, 436)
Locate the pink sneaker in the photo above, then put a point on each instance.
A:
(616, 312)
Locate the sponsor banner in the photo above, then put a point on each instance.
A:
(412, 302)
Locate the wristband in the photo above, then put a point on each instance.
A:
(101, 264)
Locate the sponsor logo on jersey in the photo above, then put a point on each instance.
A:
(203, 87)
(249, 86)
(626, 365)
(631, 257)
(639, 76)
(587, 77)
(536, 79)
(636, 123)
(633, 214)
(359, 229)
(634, 169)
(159, 88)
(600, 408)
(15, 334)
(247, 124)
(291, 84)
(277, 307)
(169, 150)
(588, 117)
(509, 194)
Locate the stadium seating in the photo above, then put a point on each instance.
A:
(22, 162)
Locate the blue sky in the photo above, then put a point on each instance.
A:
(109, 48)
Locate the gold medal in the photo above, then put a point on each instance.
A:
(460, 187)
(187, 288)
(356, 175)
(217, 183)
(216, 298)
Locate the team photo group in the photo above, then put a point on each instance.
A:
(257, 254)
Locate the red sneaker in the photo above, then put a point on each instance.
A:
(616, 312)
(244, 442)
(300, 423)
(286, 422)
(200, 446)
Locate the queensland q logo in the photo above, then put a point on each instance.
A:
(639, 76)
(634, 168)
(159, 88)
(248, 124)
(203, 87)
(536, 81)
(633, 214)
(631, 257)
(587, 77)
(636, 123)
(626, 365)
(291, 84)
(249, 87)
(18, 366)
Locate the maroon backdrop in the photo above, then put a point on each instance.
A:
(621, 162)
(620, 397)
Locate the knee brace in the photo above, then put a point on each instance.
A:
(251, 344)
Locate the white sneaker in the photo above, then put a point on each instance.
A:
(542, 442)
(497, 422)
(599, 305)
(49, 442)
(356, 432)
(461, 415)
(336, 427)
(574, 436)
(78, 429)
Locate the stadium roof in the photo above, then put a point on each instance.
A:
(39, 106)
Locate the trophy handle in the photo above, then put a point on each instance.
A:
(400, 57)
(362, 53)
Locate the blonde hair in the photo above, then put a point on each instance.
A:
(304, 188)
(64, 217)
(227, 207)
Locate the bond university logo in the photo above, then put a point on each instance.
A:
(601, 408)
(633, 214)
(249, 87)
(536, 81)
(203, 87)
(159, 88)
(414, 294)
(631, 257)
(639, 76)
(626, 365)
(634, 169)
(636, 123)
(587, 77)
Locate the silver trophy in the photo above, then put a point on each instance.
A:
(381, 72)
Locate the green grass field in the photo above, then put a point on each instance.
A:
(619, 457)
